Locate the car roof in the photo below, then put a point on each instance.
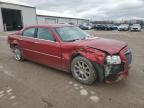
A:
(51, 25)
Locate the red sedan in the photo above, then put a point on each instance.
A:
(70, 49)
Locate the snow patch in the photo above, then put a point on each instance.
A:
(70, 82)
(92, 92)
(83, 92)
(9, 90)
(94, 99)
(12, 97)
(81, 87)
(1, 95)
(76, 88)
(75, 85)
(1, 67)
(1, 92)
(8, 73)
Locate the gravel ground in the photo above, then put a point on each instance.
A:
(31, 85)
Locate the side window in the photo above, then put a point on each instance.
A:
(43, 33)
(30, 32)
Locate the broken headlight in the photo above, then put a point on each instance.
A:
(115, 59)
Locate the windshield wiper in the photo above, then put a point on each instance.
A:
(84, 38)
(87, 37)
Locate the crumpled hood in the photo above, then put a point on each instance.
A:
(108, 45)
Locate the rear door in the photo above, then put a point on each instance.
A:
(47, 49)
(27, 41)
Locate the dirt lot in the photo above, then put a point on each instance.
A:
(30, 85)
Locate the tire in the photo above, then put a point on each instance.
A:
(83, 70)
(18, 54)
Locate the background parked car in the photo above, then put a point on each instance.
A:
(99, 27)
(115, 27)
(71, 23)
(92, 25)
(123, 27)
(136, 27)
(105, 27)
(85, 27)
(109, 27)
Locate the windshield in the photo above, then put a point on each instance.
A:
(69, 34)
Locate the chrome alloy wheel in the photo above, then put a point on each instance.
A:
(17, 54)
(82, 70)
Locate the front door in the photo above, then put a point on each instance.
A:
(47, 50)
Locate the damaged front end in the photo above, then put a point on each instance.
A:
(115, 69)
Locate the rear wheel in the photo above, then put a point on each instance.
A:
(83, 70)
(18, 54)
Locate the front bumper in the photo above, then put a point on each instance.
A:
(115, 73)
(135, 29)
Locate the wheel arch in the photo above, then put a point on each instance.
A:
(13, 44)
(74, 55)
(97, 66)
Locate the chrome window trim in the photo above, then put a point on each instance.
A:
(40, 39)
(37, 36)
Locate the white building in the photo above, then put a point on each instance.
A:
(14, 15)
(48, 17)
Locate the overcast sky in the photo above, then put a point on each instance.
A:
(93, 9)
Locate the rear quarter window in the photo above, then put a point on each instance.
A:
(30, 32)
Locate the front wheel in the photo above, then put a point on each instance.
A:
(83, 70)
(18, 54)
